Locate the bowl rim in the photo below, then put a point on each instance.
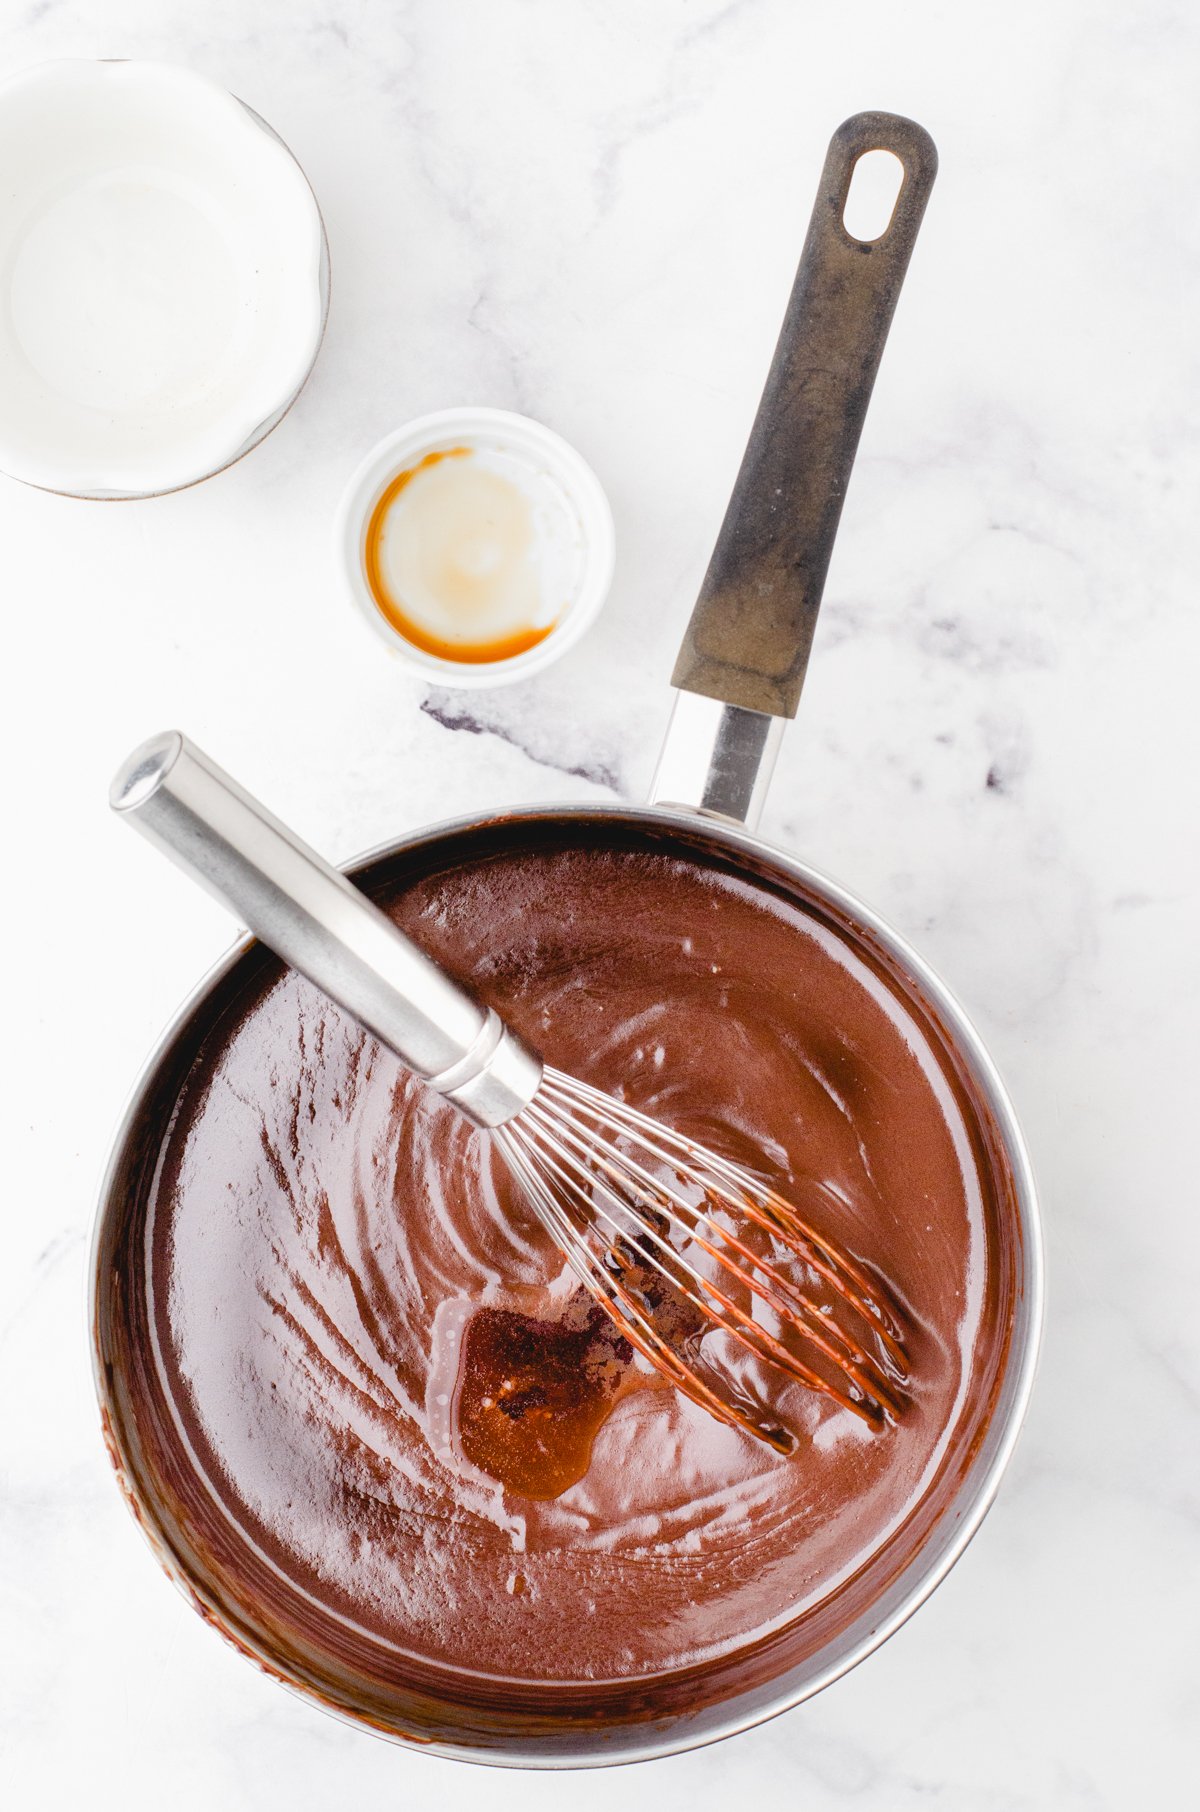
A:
(656, 1739)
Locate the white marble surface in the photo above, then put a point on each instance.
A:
(590, 210)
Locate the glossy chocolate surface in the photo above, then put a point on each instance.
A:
(325, 1276)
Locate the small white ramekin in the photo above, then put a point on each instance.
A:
(470, 427)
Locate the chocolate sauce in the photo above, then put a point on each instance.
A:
(388, 1439)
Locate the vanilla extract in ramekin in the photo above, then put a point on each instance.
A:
(477, 544)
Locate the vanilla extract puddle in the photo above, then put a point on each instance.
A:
(472, 554)
(532, 1395)
(362, 1376)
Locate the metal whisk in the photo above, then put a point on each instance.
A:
(676, 1241)
(658, 1228)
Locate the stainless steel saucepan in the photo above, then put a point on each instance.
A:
(738, 677)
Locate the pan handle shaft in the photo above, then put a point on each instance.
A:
(749, 637)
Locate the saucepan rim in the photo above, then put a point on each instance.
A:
(581, 1748)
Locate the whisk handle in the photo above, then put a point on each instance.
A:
(318, 921)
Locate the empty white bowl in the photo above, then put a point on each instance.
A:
(569, 486)
(163, 278)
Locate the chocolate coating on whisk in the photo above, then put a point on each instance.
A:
(325, 1240)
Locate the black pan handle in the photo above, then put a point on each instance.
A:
(750, 633)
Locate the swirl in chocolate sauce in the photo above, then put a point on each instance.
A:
(321, 1239)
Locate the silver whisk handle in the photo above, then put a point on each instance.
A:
(315, 919)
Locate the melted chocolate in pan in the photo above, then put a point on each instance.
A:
(382, 1433)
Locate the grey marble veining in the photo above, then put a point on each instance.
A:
(591, 210)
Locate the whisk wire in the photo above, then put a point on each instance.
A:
(623, 1307)
(684, 1279)
(738, 1190)
(583, 1159)
(756, 1273)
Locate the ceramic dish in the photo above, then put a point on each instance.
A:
(163, 278)
(564, 492)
